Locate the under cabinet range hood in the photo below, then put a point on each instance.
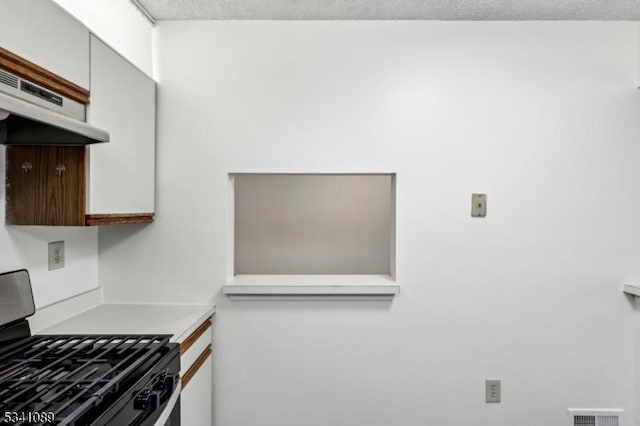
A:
(32, 115)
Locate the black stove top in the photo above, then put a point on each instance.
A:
(77, 379)
(81, 380)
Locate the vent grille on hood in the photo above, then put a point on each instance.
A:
(8, 79)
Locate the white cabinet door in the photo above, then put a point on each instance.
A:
(45, 34)
(123, 99)
(196, 398)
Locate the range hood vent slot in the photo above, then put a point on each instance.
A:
(8, 79)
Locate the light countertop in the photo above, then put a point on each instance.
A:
(177, 320)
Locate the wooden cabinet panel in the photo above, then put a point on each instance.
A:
(45, 34)
(45, 185)
(122, 172)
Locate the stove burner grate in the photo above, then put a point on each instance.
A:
(70, 375)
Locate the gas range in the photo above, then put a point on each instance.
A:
(82, 379)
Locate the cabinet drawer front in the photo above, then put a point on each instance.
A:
(195, 368)
(194, 345)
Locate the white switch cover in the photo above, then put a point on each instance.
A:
(493, 390)
(478, 205)
(56, 255)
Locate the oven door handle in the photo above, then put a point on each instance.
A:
(171, 403)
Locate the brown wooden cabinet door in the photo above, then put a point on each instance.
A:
(46, 185)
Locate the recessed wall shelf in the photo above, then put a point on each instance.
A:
(632, 288)
(311, 287)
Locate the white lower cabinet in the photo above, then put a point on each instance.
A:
(196, 397)
(196, 370)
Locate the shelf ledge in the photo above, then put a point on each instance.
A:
(632, 289)
(311, 287)
(118, 219)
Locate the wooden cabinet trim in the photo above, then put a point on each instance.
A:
(30, 71)
(189, 341)
(186, 377)
(118, 219)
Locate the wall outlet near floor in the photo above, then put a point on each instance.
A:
(493, 390)
(56, 255)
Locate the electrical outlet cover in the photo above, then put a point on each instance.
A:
(492, 390)
(478, 205)
(56, 255)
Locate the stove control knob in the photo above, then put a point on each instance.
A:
(166, 382)
(147, 400)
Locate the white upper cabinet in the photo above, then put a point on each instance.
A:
(121, 172)
(43, 33)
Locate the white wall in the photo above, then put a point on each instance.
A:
(543, 117)
(119, 24)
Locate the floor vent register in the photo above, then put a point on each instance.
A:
(590, 417)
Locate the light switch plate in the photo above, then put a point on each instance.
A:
(56, 255)
(478, 205)
(493, 390)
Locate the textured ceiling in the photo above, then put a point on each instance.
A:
(395, 9)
